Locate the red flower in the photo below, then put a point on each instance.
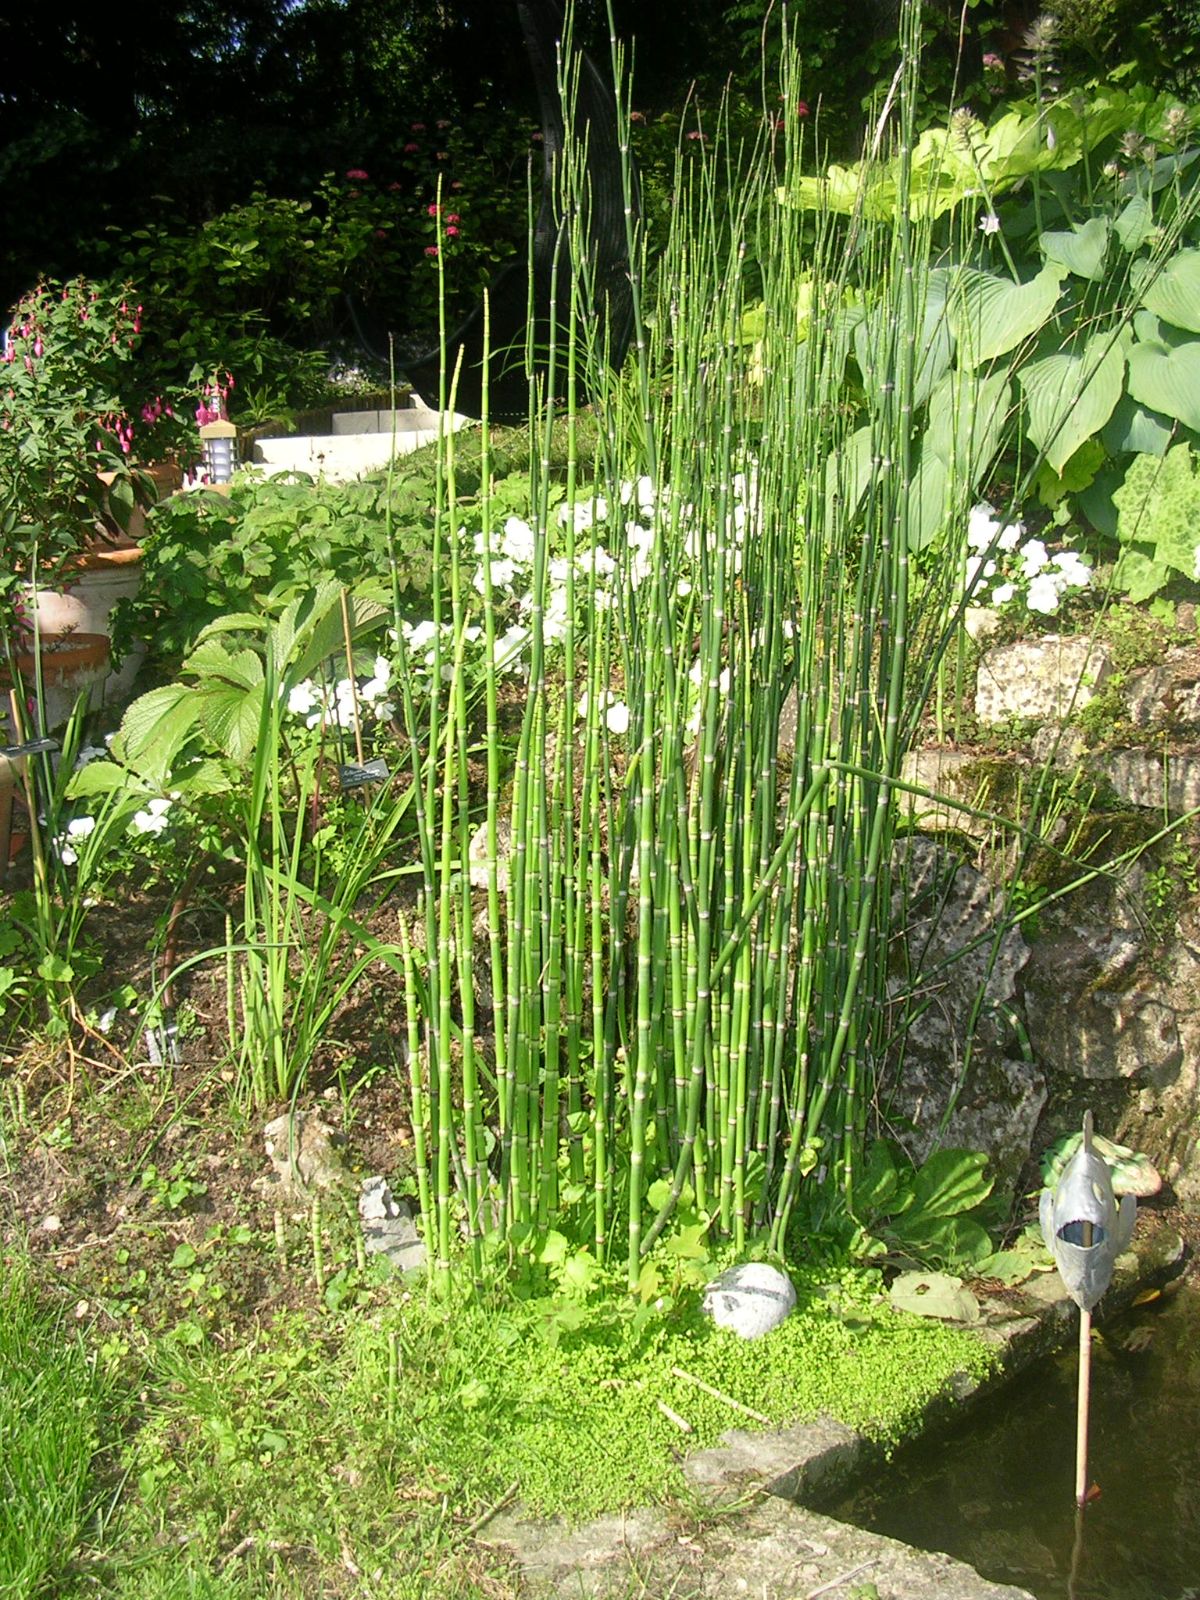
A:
(357, 175)
(453, 216)
(801, 108)
(452, 233)
(431, 249)
(381, 233)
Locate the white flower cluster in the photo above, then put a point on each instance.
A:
(335, 707)
(1030, 572)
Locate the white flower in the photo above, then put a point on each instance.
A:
(978, 568)
(507, 652)
(617, 717)
(560, 570)
(518, 542)
(585, 513)
(1033, 557)
(1072, 573)
(80, 827)
(303, 699)
(989, 222)
(596, 560)
(1003, 593)
(683, 588)
(501, 572)
(423, 634)
(554, 617)
(1011, 535)
(153, 819)
(65, 854)
(1042, 594)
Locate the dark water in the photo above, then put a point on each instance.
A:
(1001, 1495)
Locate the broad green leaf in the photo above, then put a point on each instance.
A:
(847, 475)
(1080, 250)
(990, 315)
(213, 659)
(942, 1241)
(934, 1294)
(554, 1247)
(1096, 501)
(104, 777)
(53, 969)
(876, 1185)
(1134, 427)
(155, 728)
(967, 416)
(1053, 487)
(1069, 397)
(1174, 295)
(1139, 575)
(1159, 511)
(232, 719)
(925, 508)
(1167, 380)
(951, 1181)
(1135, 223)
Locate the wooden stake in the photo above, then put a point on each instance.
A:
(1081, 1408)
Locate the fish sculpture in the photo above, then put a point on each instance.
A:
(1084, 1225)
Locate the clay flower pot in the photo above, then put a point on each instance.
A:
(70, 663)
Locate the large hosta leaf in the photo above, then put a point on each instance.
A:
(1135, 427)
(1167, 380)
(990, 315)
(1174, 295)
(967, 416)
(1080, 250)
(1070, 396)
(926, 502)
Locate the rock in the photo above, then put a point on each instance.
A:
(388, 1226)
(302, 1153)
(1168, 692)
(1040, 678)
(477, 854)
(952, 954)
(1138, 776)
(750, 1299)
(946, 775)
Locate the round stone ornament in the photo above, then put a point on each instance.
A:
(750, 1299)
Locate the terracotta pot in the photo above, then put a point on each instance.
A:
(99, 580)
(71, 664)
(167, 477)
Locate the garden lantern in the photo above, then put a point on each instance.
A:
(218, 442)
(1085, 1231)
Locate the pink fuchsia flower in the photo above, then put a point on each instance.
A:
(993, 62)
(431, 249)
(696, 135)
(637, 116)
(537, 137)
(411, 149)
(357, 175)
(453, 216)
(394, 188)
(431, 210)
(801, 108)
(452, 233)
(417, 127)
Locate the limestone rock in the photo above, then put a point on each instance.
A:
(1040, 678)
(1138, 776)
(303, 1155)
(750, 1299)
(388, 1226)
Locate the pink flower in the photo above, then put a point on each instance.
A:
(354, 193)
(801, 108)
(38, 346)
(697, 135)
(452, 233)
(357, 175)
(431, 249)
(411, 149)
(452, 216)
(457, 184)
(431, 211)
(417, 127)
(395, 188)
(637, 116)
(537, 137)
(381, 233)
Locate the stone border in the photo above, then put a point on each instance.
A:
(753, 1540)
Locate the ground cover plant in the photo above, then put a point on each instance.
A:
(553, 856)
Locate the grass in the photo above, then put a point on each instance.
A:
(52, 1394)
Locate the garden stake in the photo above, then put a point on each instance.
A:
(1085, 1231)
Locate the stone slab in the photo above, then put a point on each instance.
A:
(340, 458)
(1040, 678)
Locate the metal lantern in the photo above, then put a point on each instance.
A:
(219, 443)
(1084, 1227)
(1085, 1231)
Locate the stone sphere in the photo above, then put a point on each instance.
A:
(750, 1299)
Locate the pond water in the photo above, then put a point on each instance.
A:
(1001, 1495)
